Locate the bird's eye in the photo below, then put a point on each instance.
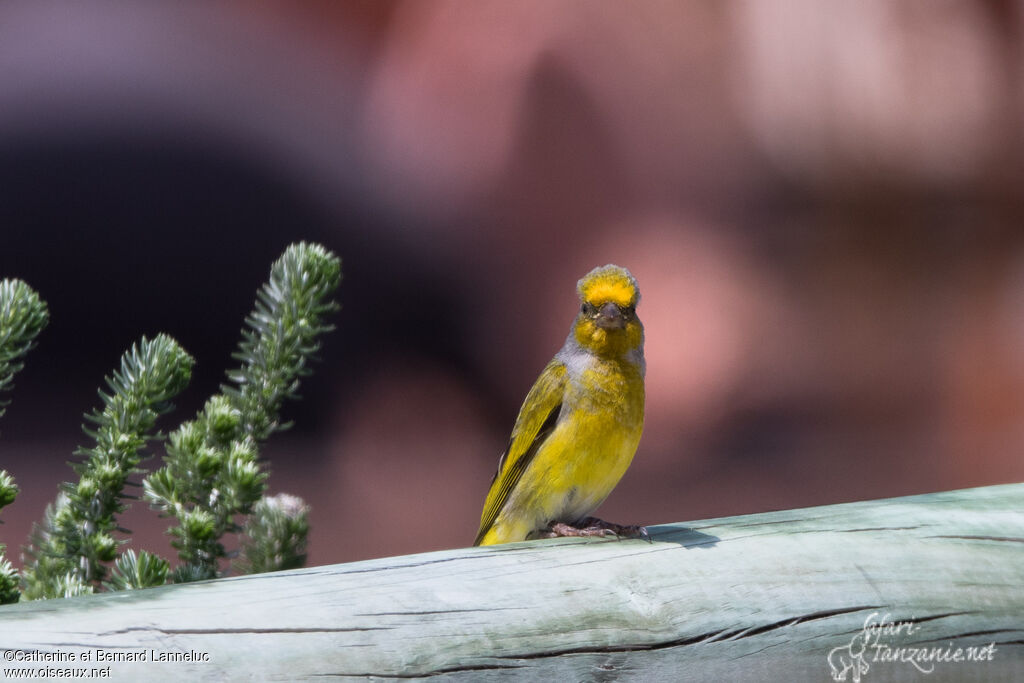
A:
(588, 308)
(628, 312)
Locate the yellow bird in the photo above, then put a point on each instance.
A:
(579, 426)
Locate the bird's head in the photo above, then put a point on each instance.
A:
(607, 324)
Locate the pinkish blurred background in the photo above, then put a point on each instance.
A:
(822, 203)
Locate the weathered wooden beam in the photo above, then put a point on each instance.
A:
(767, 597)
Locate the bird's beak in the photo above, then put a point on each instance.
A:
(609, 317)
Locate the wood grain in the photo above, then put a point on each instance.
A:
(765, 597)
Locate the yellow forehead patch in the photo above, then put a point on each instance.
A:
(609, 283)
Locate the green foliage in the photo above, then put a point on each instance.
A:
(23, 315)
(283, 335)
(49, 575)
(8, 582)
(8, 489)
(275, 535)
(212, 475)
(8, 575)
(75, 543)
(70, 585)
(211, 478)
(132, 571)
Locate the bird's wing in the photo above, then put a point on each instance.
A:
(536, 421)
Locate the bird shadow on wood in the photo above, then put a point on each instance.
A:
(684, 536)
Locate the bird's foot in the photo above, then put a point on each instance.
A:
(592, 526)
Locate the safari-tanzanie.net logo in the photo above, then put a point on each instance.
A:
(884, 642)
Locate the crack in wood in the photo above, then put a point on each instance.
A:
(969, 634)
(783, 623)
(708, 637)
(236, 631)
(430, 674)
(414, 565)
(748, 525)
(1006, 539)
(933, 617)
(434, 612)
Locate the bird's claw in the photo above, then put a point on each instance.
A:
(591, 526)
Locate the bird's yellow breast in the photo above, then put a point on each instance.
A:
(587, 453)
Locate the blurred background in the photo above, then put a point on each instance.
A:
(822, 203)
